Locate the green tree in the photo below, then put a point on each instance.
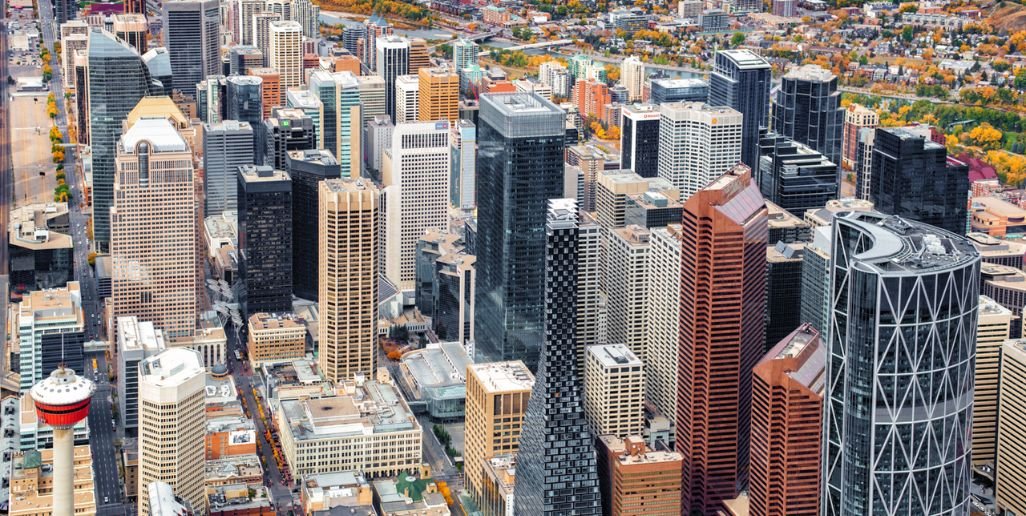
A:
(1020, 79)
(737, 39)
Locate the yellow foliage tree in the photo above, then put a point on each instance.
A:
(1013, 166)
(986, 136)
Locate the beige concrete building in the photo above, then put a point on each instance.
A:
(154, 230)
(614, 391)
(627, 287)
(32, 483)
(591, 301)
(497, 395)
(439, 94)
(611, 190)
(991, 333)
(661, 331)
(133, 29)
(1010, 488)
(407, 98)
(172, 425)
(348, 290)
(275, 338)
(285, 52)
(367, 427)
(415, 172)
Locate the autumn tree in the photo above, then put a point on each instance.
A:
(985, 136)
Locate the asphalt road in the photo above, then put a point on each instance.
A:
(106, 477)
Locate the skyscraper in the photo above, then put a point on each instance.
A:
(556, 467)
(307, 169)
(632, 76)
(1010, 470)
(626, 285)
(243, 20)
(393, 60)
(271, 92)
(991, 333)
(118, 79)
(287, 129)
(464, 54)
(741, 80)
(639, 139)
(407, 98)
(245, 102)
(132, 29)
(662, 329)
(192, 30)
(698, 143)
(723, 251)
(464, 165)
(856, 117)
(348, 291)
(497, 395)
(439, 95)
(242, 58)
(520, 166)
(285, 53)
(136, 341)
(794, 176)
(415, 176)
(153, 226)
(262, 33)
(614, 390)
(807, 109)
(341, 120)
(265, 208)
(172, 425)
(226, 147)
(914, 178)
(787, 423)
(899, 392)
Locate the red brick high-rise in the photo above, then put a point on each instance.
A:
(722, 298)
(787, 421)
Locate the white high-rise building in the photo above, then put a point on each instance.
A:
(697, 143)
(663, 304)
(415, 174)
(614, 391)
(285, 52)
(464, 164)
(262, 32)
(243, 19)
(372, 96)
(627, 286)
(172, 425)
(137, 340)
(591, 302)
(632, 76)
(992, 330)
(407, 98)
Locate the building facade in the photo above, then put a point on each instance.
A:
(741, 80)
(697, 144)
(193, 40)
(265, 251)
(807, 109)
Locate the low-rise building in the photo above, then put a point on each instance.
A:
(348, 490)
(40, 246)
(414, 493)
(32, 482)
(240, 469)
(275, 338)
(997, 217)
(230, 436)
(295, 380)
(499, 476)
(436, 377)
(366, 427)
(637, 480)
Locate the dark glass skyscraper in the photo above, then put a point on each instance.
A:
(307, 169)
(519, 168)
(900, 368)
(807, 109)
(639, 139)
(118, 79)
(192, 29)
(265, 207)
(557, 473)
(287, 129)
(741, 80)
(795, 177)
(913, 177)
(244, 102)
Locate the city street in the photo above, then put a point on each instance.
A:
(101, 439)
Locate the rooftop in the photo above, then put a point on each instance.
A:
(614, 355)
(810, 72)
(439, 365)
(348, 185)
(990, 307)
(902, 246)
(562, 213)
(372, 408)
(680, 83)
(134, 335)
(989, 246)
(498, 377)
(745, 59)
(262, 174)
(170, 367)
(633, 451)
(160, 134)
(55, 304)
(318, 156)
(266, 321)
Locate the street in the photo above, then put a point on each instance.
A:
(101, 440)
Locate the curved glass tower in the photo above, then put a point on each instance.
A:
(900, 374)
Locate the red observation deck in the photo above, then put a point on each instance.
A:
(63, 399)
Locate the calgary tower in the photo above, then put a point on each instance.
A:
(62, 400)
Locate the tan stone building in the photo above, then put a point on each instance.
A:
(636, 480)
(992, 330)
(614, 390)
(32, 483)
(153, 230)
(172, 425)
(348, 291)
(1010, 484)
(275, 338)
(439, 95)
(497, 395)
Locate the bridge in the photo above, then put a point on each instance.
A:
(540, 44)
(482, 36)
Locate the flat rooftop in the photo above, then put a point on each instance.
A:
(499, 377)
(158, 132)
(614, 355)
(903, 246)
(374, 408)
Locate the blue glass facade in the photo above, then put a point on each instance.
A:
(519, 168)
